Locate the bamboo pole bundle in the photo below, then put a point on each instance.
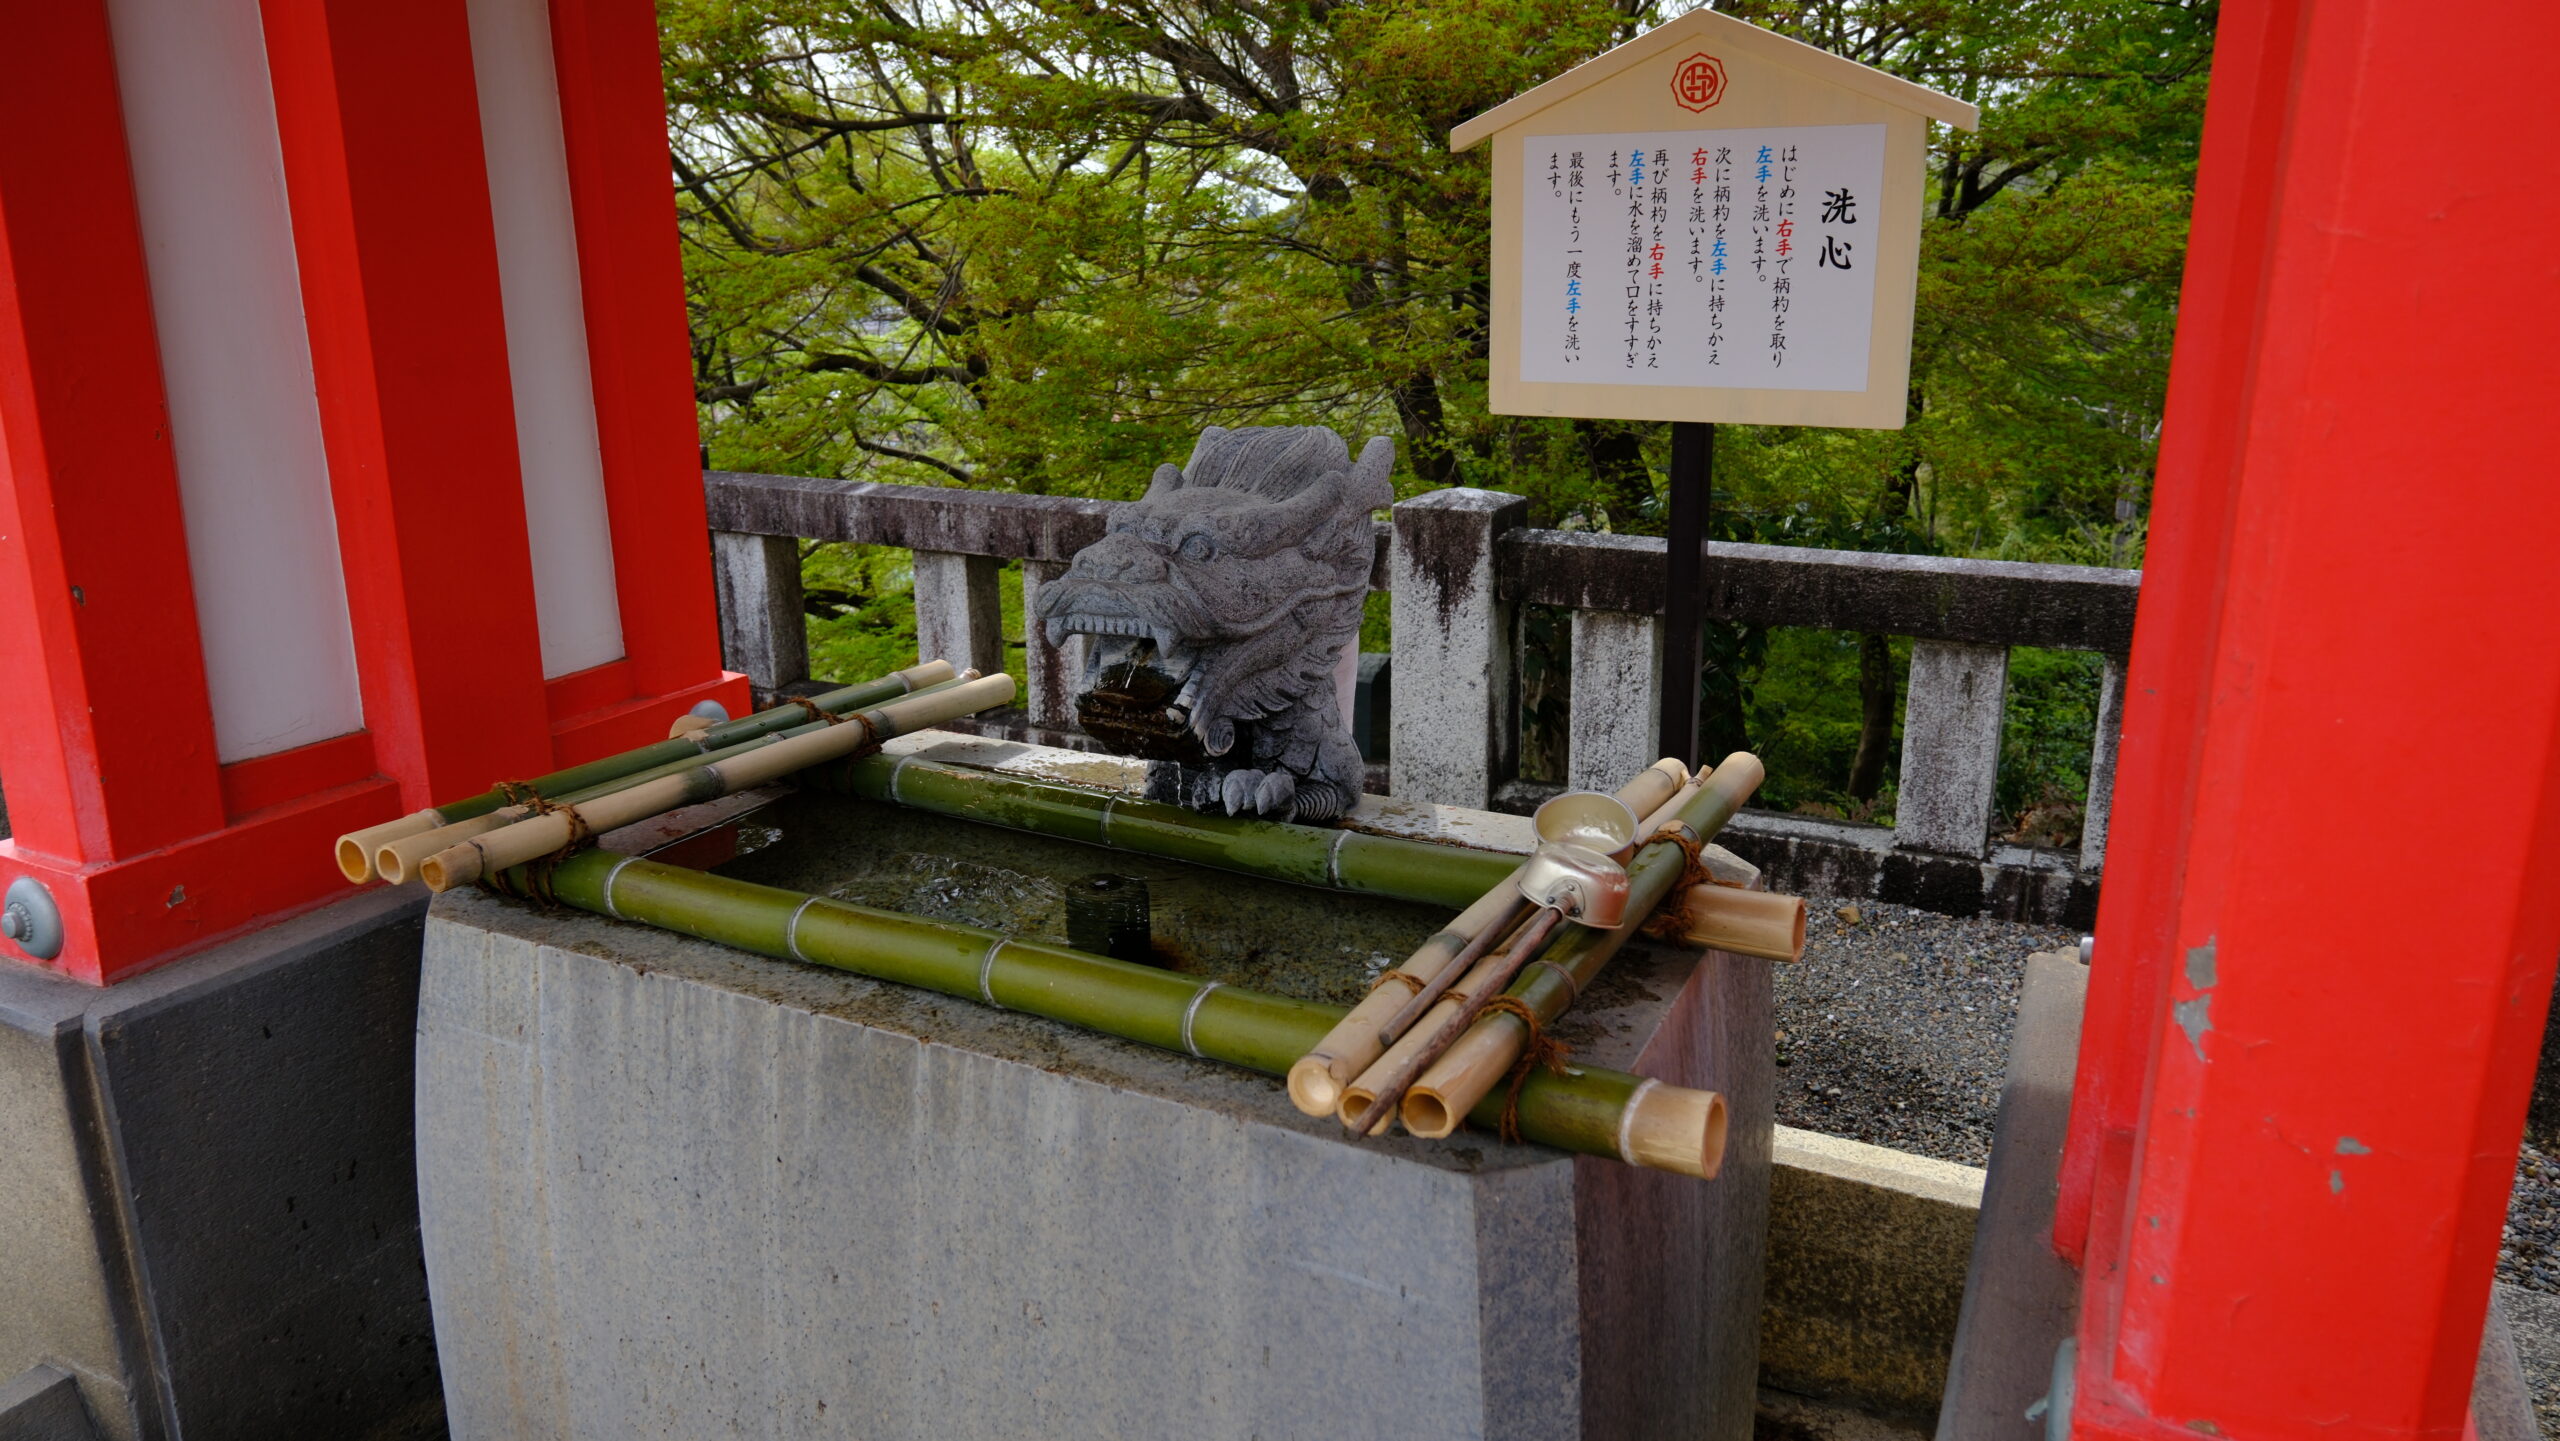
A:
(357, 849)
(396, 860)
(1467, 1072)
(1326, 856)
(552, 831)
(1590, 1111)
(1747, 923)
(1365, 1099)
(1317, 1079)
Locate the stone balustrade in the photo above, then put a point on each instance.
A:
(1459, 564)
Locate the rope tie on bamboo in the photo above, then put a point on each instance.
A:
(1411, 985)
(1541, 1049)
(536, 885)
(816, 711)
(1670, 922)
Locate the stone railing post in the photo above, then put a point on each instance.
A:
(959, 614)
(1616, 715)
(2102, 765)
(763, 631)
(1051, 671)
(1454, 730)
(1950, 747)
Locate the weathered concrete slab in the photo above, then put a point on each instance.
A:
(671, 1189)
(2020, 1298)
(44, 1405)
(207, 1172)
(1866, 1272)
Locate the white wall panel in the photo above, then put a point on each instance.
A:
(253, 478)
(564, 496)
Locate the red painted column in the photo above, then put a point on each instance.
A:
(2229, 245)
(381, 137)
(2313, 1021)
(614, 125)
(92, 495)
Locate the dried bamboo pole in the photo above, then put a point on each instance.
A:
(1468, 1071)
(1746, 923)
(542, 835)
(396, 861)
(1388, 1013)
(1592, 1111)
(357, 849)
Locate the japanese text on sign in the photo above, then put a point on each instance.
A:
(1734, 258)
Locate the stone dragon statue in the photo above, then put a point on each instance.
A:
(1217, 610)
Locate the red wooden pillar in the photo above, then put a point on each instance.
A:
(111, 738)
(613, 121)
(116, 798)
(2313, 1019)
(399, 265)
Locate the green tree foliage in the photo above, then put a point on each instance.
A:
(1036, 244)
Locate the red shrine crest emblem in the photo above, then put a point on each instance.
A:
(1699, 82)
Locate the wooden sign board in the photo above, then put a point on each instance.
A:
(1709, 223)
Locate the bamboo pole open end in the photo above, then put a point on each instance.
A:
(1673, 1128)
(1426, 1115)
(1745, 923)
(397, 860)
(1313, 1087)
(356, 848)
(451, 867)
(1355, 1104)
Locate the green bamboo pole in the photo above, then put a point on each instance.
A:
(1467, 1071)
(1586, 1110)
(356, 849)
(1331, 857)
(396, 859)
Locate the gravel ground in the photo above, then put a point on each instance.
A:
(1894, 1029)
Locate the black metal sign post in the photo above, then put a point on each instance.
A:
(1684, 584)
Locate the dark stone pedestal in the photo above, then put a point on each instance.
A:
(209, 1188)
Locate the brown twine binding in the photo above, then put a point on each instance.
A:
(1671, 921)
(537, 886)
(1411, 986)
(817, 711)
(1541, 1050)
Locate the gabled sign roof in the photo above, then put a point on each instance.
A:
(1706, 26)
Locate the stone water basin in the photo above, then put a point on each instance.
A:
(672, 1189)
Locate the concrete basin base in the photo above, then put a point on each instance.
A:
(674, 1190)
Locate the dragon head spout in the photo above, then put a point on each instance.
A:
(1217, 606)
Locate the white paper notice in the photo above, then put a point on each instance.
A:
(1738, 258)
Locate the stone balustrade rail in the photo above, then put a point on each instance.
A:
(1459, 563)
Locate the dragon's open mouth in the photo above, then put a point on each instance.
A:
(1141, 683)
(1129, 655)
